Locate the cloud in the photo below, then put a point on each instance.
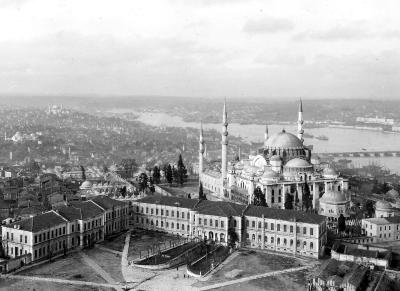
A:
(268, 25)
(352, 32)
(281, 59)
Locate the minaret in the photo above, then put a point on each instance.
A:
(201, 151)
(300, 122)
(266, 134)
(224, 143)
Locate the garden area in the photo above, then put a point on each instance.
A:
(210, 260)
(168, 255)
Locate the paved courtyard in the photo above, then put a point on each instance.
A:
(106, 267)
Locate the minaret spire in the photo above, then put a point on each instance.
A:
(266, 133)
(201, 151)
(224, 143)
(300, 122)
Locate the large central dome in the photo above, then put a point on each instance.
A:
(284, 140)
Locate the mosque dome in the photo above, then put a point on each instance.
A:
(393, 194)
(333, 197)
(298, 163)
(86, 185)
(329, 172)
(383, 205)
(275, 158)
(269, 174)
(283, 140)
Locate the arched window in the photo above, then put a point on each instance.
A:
(304, 245)
(311, 245)
(285, 242)
(253, 237)
(272, 239)
(291, 242)
(278, 241)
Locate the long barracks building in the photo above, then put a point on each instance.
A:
(279, 230)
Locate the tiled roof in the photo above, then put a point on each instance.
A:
(220, 208)
(169, 201)
(88, 209)
(39, 222)
(284, 214)
(108, 203)
(393, 219)
(377, 220)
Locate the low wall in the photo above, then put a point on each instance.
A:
(15, 263)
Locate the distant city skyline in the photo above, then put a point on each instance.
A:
(238, 49)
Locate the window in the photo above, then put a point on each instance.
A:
(162, 211)
(183, 226)
(304, 230)
(297, 229)
(259, 224)
(172, 213)
(291, 229)
(278, 227)
(272, 226)
(177, 214)
(162, 223)
(253, 224)
(20, 238)
(291, 242)
(284, 227)
(205, 221)
(304, 245)
(71, 227)
(183, 215)
(26, 239)
(172, 225)
(272, 240)
(147, 210)
(311, 245)
(210, 222)
(156, 211)
(177, 226)
(311, 231)
(12, 237)
(284, 242)
(222, 224)
(234, 224)
(278, 241)
(216, 223)
(253, 237)
(199, 220)
(166, 212)
(188, 215)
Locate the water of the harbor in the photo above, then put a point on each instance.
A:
(340, 139)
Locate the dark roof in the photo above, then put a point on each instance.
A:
(35, 209)
(356, 276)
(170, 201)
(80, 210)
(393, 219)
(284, 214)
(108, 203)
(39, 222)
(220, 208)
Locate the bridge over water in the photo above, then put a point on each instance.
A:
(361, 154)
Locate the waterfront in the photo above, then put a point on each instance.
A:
(340, 139)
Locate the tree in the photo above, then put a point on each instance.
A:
(83, 173)
(368, 208)
(259, 197)
(182, 172)
(168, 174)
(307, 201)
(202, 196)
(175, 175)
(232, 237)
(341, 223)
(122, 191)
(156, 175)
(288, 201)
(151, 187)
(143, 179)
(129, 166)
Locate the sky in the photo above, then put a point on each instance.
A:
(201, 48)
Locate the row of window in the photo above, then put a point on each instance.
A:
(161, 211)
(278, 227)
(43, 251)
(216, 223)
(161, 224)
(46, 235)
(21, 237)
(284, 242)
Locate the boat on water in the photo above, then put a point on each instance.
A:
(322, 137)
(307, 135)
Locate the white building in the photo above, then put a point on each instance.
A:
(382, 228)
(260, 227)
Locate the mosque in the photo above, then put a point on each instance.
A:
(284, 168)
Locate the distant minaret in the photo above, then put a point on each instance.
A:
(240, 153)
(266, 134)
(201, 151)
(224, 143)
(300, 122)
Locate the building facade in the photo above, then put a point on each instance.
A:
(254, 226)
(382, 228)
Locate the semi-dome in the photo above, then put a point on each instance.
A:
(329, 172)
(275, 158)
(269, 174)
(333, 197)
(383, 205)
(86, 185)
(393, 194)
(283, 140)
(298, 163)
